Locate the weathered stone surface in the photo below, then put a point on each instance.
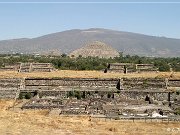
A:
(71, 82)
(9, 88)
(174, 82)
(143, 83)
(29, 67)
(130, 67)
(95, 49)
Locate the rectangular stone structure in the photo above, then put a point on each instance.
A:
(55, 83)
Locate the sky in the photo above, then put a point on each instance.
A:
(38, 17)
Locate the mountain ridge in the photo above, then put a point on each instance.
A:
(70, 40)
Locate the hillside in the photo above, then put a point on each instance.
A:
(68, 41)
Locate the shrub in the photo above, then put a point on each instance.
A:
(77, 94)
(177, 111)
(21, 96)
(35, 93)
(70, 94)
(28, 95)
(109, 95)
(84, 94)
(177, 92)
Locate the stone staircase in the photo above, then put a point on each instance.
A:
(9, 88)
(25, 67)
(8, 94)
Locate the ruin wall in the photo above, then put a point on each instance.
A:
(10, 83)
(141, 95)
(174, 83)
(142, 83)
(84, 84)
(9, 88)
(42, 69)
(94, 83)
(41, 83)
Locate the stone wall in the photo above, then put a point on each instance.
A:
(87, 94)
(57, 83)
(8, 83)
(146, 68)
(93, 83)
(29, 67)
(142, 83)
(9, 88)
(130, 67)
(8, 94)
(174, 83)
(8, 68)
(95, 96)
(141, 95)
(120, 68)
(57, 86)
(13, 67)
(42, 69)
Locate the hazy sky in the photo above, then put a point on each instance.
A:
(18, 20)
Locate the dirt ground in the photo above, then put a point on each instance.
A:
(87, 74)
(38, 122)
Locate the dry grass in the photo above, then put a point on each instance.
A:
(38, 122)
(86, 74)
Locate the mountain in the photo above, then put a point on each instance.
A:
(95, 49)
(70, 40)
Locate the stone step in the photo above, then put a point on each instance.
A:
(8, 93)
(7, 97)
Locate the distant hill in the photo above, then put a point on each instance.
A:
(95, 49)
(68, 41)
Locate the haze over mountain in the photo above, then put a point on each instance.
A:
(70, 40)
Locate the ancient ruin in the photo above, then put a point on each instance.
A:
(129, 68)
(146, 68)
(95, 49)
(112, 97)
(12, 67)
(29, 67)
(120, 68)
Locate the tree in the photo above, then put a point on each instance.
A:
(162, 65)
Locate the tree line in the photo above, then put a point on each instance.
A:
(64, 62)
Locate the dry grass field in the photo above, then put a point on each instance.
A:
(87, 74)
(37, 122)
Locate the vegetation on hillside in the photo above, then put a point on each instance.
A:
(91, 63)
